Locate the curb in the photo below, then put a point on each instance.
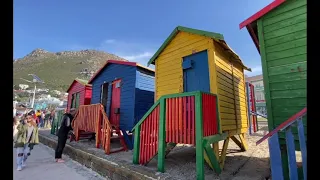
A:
(102, 166)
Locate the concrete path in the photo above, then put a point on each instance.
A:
(41, 165)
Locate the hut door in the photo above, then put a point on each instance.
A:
(115, 103)
(196, 72)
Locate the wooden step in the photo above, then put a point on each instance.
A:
(116, 137)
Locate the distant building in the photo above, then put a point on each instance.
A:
(23, 86)
(56, 92)
(257, 82)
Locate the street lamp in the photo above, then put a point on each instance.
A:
(35, 80)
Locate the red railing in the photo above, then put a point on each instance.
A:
(209, 114)
(92, 118)
(149, 136)
(180, 120)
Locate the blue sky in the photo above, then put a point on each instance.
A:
(130, 29)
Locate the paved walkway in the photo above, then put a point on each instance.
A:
(41, 165)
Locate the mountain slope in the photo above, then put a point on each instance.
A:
(58, 70)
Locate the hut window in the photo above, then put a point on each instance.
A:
(73, 99)
(104, 93)
(77, 103)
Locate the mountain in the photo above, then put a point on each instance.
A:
(59, 69)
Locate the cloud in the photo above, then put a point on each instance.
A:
(132, 51)
(109, 41)
(139, 52)
(138, 56)
(254, 71)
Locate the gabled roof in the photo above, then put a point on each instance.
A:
(251, 22)
(118, 62)
(215, 36)
(80, 81)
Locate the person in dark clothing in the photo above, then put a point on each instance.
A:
(63, 132)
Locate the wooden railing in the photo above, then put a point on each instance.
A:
(173, 119)
(275, 152)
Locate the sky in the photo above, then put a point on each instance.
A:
(130, 29)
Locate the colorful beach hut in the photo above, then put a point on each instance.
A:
(126, 90)
(79, 93)
(201, 99)
(279, 32)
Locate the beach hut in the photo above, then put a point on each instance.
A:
(199, 83)
(196, 60)
(126, 90)
(79, 93)
(279, 32)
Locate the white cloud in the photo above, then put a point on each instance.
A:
(138, 56)
(139, 52)
(254, 71)
(109, 41)
(132, 51)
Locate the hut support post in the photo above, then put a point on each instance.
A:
(242, 143)
(215, 147)
(224, 152)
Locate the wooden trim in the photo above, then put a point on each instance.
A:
(265, 75)
(253, 36)
(261, 13)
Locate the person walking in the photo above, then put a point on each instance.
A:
(43, 119)
(15, 130)
(27, 137)
(39, 120)
(52, 116)
(63, 132)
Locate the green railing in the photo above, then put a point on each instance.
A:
(154, 131)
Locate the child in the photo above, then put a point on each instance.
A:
(27, 137)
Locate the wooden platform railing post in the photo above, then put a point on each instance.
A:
(199, 137)
(275, 157)
(98, 131)
(162, 135)
(303, 147)
(136, 148)
(293, 172)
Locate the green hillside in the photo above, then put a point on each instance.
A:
(59, 69)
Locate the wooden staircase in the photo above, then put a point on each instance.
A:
(117, 134)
